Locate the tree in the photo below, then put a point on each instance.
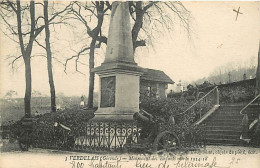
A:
(47, 47)
(142, 13)
(97, 9)
(27, 32)
(8, 7)
(49, 57)
(10, 94)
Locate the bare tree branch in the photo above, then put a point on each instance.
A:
(149, 5)
(40, 44)
(81, 52)
(13, 61)
(11, 4)
(75, 56)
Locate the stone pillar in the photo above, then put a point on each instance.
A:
(119, 44)
(119, 74)
(216, 96)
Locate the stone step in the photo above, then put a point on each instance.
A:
(223, 132)
(223, 117)
(222, 136)
(224, 121)
(222, 141)
(239, 107)
(223, 127)
(222, 144)
(238, 112)
(231, 108)
(229, 111)
(226, 117)
(225, 124)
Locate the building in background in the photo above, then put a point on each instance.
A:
(154, 83)
(180, 87)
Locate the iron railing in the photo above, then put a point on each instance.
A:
(92, 136)
(204, 104)
(106, 137)
(246, 126)
(98, 136)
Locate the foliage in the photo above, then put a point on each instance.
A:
(160, 108)
(71, 118)
(237, 92)
(164, 107)
(190, 135)
(242, 91)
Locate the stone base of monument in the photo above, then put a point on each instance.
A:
(118, 101)
(113, 117)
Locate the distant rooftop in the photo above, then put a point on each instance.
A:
(156, 75)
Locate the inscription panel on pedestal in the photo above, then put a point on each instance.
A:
(108, 91)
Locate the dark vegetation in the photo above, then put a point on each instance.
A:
(74, 118)
(189, 134)
(229, 93)
(71, 118)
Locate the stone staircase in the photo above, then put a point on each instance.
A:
(224, 127)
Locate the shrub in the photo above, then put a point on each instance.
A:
(164, 108)
(45, 132)
(190, 135)
(68, 117)
(71, 118)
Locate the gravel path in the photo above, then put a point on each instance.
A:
(211, 156)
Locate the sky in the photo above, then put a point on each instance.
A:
(217, 38)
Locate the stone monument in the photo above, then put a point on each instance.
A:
(119, 89)
(119, 74)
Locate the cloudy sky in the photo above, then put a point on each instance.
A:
(216, 39)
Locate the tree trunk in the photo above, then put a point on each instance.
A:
(26, 53)
(96, 31)
(91, 74)
(138, 23)
(49, 57)
(28, 89)
(257, 88)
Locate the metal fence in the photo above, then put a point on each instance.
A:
(91, 136)
(103, 136)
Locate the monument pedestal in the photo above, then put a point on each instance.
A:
(119, 91)
(118, 101)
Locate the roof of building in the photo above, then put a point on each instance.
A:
(156, 75)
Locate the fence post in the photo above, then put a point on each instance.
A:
(245, 127)
(216, 96)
